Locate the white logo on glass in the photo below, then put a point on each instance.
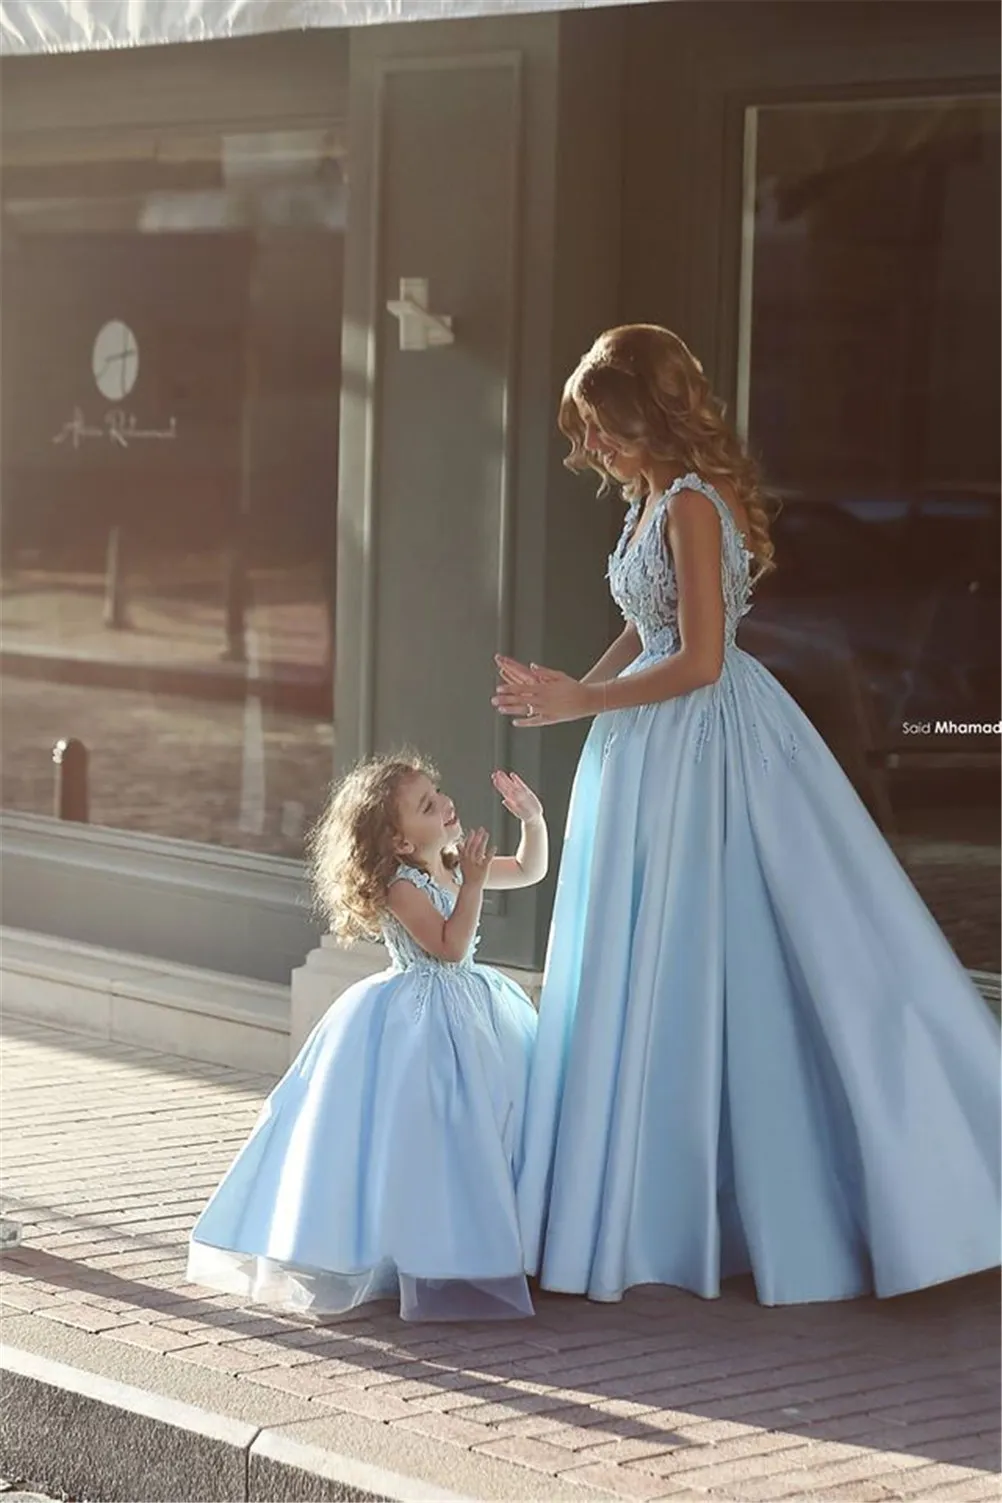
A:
(115, 363)
(115, 360)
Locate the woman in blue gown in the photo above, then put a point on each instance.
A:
(756, 1050)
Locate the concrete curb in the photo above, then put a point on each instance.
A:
(65, 1427)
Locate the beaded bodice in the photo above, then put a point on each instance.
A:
(404, 951)
(642, 573)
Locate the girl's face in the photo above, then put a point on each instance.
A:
(623, 461)
(427, 822)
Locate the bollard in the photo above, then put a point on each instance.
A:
(71, 795)
(116, 615)
(235, 604)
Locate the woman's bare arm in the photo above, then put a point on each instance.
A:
(619, 655)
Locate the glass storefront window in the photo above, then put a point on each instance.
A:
(170, 397)
(869, 385)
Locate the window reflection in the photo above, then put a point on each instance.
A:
(170, 388)
(871, 389)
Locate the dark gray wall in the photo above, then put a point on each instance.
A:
(196, 904)
(478, 161)
(693, 69)
(255, 82)
(550, 175)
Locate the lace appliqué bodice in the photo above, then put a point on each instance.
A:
(642, 574)
(404, 951)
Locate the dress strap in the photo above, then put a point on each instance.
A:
(694, 481)
(418, 878)
(411, 874)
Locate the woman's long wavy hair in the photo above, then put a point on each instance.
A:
(352, 848)
(649, 393)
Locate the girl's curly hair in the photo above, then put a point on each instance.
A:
(352, 848)
(648, 390)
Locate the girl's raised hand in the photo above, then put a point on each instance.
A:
(517, 797)
(475, 856)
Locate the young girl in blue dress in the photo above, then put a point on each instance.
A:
(382, 1165)
(756, 1050)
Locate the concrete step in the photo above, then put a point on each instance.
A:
(186, 1011)
(133, 999)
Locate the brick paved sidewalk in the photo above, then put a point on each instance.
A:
(109, 1153)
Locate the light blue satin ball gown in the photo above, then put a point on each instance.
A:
(382, 1165)
(756, 1051)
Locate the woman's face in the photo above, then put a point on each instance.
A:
(623, 461)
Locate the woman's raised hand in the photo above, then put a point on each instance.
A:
(540, 696)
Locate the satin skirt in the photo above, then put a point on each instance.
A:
(382, 1165)
(756, 1050)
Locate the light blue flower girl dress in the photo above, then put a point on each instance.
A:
(756, 1050)
(382, 1165)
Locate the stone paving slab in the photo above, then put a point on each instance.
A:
(109, 1152)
